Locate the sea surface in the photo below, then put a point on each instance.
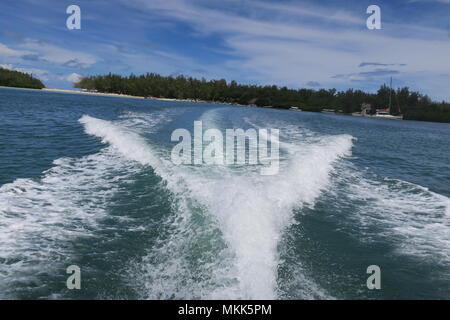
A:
(89, 181)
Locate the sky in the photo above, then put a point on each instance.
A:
(293, 43)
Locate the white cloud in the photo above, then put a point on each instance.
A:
(289, 44)
(43, 51)
(58, 55)
(8, 52)
(73, 77)
(7, 66)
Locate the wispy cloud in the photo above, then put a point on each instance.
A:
(313, 84)
(378, 64)
(367, 75)
(55, 54)
(9, 52)
(276, 43)
(294, 43)
(35, 50)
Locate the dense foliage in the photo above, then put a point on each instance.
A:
(413, 105)
(10, 78)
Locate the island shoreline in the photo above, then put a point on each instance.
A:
(117, 95)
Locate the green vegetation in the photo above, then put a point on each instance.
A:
(413, 105)
(10, 78)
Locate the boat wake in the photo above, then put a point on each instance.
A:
(412, 217)
(40, 219)
(224, 237)
(222, 241)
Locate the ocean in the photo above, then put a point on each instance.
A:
(88, 181)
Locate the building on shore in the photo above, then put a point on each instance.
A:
(366, 111)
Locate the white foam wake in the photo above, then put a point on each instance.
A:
(40, 218)
(250, 210)
(253, 210)
(412, 217)
(148, 122)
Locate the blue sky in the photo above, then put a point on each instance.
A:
(313, 44)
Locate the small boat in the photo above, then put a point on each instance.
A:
(386, 113)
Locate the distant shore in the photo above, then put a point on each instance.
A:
(118, 95)
(92, 93)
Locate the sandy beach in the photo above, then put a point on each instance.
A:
(134, 97)
(92, 93)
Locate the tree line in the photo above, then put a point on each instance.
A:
(413, 105)
(10, 78)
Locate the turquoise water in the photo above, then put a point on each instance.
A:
(88, 181)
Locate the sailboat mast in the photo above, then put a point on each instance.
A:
(390, 96)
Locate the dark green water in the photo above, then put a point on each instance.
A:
(88, 181)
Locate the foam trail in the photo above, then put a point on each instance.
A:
(125, 142)
(131, 145)
(255, 210)
(250, 210)
(412, 217)
(170, 252)
(40, 218)
(145, 122)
